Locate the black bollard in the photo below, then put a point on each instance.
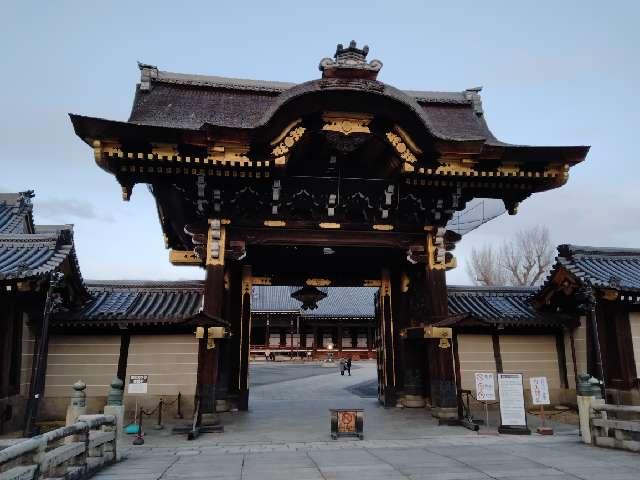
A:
(139, 440)
(159, 425)
(179, 414)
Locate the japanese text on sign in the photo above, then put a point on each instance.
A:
(511, 399)
(539, 390)
(485, 386)
(138, 383)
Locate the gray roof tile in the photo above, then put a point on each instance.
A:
(15, 213)
(136, 302)
(505, 306)
(30, 255)
(615, 268)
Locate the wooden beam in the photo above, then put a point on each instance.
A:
(497, 354)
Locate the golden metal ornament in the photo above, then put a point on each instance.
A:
(346, 123)
(184, 257)
(285, 141)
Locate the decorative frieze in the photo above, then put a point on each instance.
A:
(405, 148)
(285, 141)
(235, 154)
(346, 123)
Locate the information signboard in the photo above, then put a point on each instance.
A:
(512, 414)
(485, 386)
(138, 383)
(539, 391)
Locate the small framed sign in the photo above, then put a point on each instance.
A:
(540, 396)
(138, 383)
(485, 387)
(347, 423)
(513, 418)
(539, 391)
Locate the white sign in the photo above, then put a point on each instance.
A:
(485, 387)
(511, 399)
(539, 390)
(138, 383)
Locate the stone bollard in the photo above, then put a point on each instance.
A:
(78, 405)
(588, 389)
(584, 413)
(115, 407)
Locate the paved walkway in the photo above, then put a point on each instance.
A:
(285, 436)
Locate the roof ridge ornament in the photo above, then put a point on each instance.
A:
(350, 62)
(147, 73)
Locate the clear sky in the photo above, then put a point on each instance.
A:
(553, 72)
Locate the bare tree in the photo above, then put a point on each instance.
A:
(483, 267)
(522, 260)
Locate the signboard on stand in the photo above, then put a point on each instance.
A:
(485, 387)
(138, 383)
(347, 423)
(540, 396)
(485, 391)
(513, 418)
(539, 391)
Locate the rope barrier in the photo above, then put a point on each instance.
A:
(139, 440)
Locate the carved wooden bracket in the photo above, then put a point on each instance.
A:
(285, 141)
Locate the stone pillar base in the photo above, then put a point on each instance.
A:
(118, 412)
(414, 401)
(210, 419)
(445, 415)
(222, 406)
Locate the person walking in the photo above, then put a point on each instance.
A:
(349, 366)
(342, 366)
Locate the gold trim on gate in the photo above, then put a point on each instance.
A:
(184, 257)
(346, 123)
(216, 239)
(275, 223)
(318, 282)
(329, 225)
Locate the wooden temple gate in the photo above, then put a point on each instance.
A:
(343, 180)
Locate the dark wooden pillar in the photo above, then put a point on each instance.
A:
(562, 359)
(235, 365)
(407, 351)
(267, 331)
(340, 337)
(123, 358)
(497, 353)
(245, 330)
(388, 382)
(315, 338)
(442, 385)
(208, 357)
(213, 306)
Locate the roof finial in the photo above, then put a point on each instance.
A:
(350, 62)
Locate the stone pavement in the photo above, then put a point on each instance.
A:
(285, 436)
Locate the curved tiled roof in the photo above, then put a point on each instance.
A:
(614, 268)
(341, 302)
(179, 100)
(506, 306)
(136, 302)
(31, 255)
(16, 213)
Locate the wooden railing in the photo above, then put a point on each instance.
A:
(72, 452)
(616, 426)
